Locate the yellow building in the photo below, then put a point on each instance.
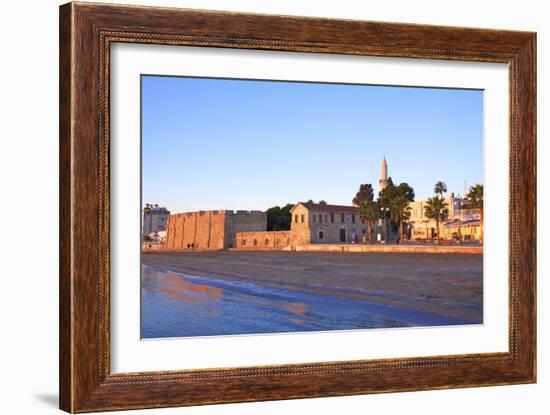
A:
(462, 223)
(468, 230)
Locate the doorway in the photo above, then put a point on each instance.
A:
(342, 235)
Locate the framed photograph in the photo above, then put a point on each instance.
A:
(258, 207)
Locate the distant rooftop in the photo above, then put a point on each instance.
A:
(330, 208)
(155, 208)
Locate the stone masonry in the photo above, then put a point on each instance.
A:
(267, 240)
(212, 229)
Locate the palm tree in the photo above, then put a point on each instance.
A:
(475, 197)
(367, 211)
(436, 208)
(400, 210)
(440, 188)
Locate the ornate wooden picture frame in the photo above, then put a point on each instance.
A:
(86, 33)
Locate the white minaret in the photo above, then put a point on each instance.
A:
(384, 175)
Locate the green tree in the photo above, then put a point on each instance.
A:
(400, 210)
(365, 194)
(278, 219)
(440, 188)
(436, 208)
(368, 211)
(322, 202)
(405, 191)
(392, 191)
(475, 198)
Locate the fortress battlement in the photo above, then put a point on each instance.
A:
(211, 229)
(244, 212)
(220, 212)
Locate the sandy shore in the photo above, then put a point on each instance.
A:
(445, 284)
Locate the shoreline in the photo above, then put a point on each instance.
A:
(432, 288)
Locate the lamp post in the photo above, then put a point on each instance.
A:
(459, 211)
(384, 211)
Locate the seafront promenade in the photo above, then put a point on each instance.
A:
(407, 248)
(394, 248)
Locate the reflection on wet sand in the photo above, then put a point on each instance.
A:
(295, 308)
(177, 288)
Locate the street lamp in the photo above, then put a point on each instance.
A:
(459, 211)
(384, 211)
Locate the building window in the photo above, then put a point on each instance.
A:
(342, 217)
(321, 235)
(255, 242)
(320, 218)
(332, 217)
(352, 218)
(266, 241)
(295, 218)
(314, 218)
(244, 242)
(303, 218)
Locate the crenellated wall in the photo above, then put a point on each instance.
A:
(211, 229)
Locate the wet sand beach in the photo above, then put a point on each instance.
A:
(443, 287)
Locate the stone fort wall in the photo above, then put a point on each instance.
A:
(267, 240)
(243, 221)
(210, 230)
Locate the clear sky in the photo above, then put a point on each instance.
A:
(244, 144)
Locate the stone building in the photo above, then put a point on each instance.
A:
(212, 229)
(155, 219)
(311, 223)
(314, 223)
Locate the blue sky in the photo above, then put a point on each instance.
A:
(244, 144)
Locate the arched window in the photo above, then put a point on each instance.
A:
(255, 242)
(266, 242)
(321, 235)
